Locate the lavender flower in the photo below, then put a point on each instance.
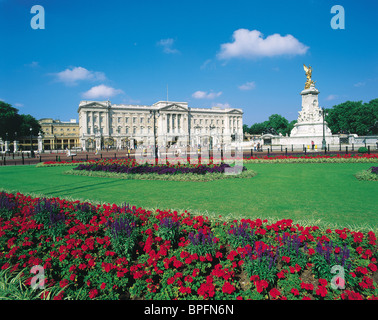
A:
(121, 226)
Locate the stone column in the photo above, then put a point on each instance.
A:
(84, 122)
(15, 146)
(40, 144)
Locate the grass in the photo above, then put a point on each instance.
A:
(325, 193)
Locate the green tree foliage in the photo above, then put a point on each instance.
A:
(11, 122)
(354, 117)
(276, 122)
(350, 116)
(257, 128)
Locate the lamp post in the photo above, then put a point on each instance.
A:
(324, 140)
(31, 144)
(210, 139)
(189, 124)
(155, 113)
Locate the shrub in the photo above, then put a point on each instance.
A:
(370, 174)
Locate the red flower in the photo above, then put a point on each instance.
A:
(62, 257)
(63, 283)
(103, 285)
(307, 286)
(177, 263)
(185, 290)
(231, 256)
(274, 293)
(321, 291)
(362, 270)
(228, 288)
(372, 267)
(323, 282)
(93, 293)
(206, 289)
(254, 278)
(351, 295)
(343, 236)
(261, 285)
(106, 266)
(294, 291)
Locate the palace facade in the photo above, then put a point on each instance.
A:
(121, 126)
(59, 135)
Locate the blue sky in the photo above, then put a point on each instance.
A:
(242, 54)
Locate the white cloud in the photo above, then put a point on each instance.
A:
(332, 97)
(206, 64)
(251, 44)
(248, 86)
(359, 84)
(33, 64)
(221, 105)
(19, 105)
(167, 45)
(72, 76)
(206, 95)
(101, 91)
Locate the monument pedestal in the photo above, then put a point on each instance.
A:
(310, 125)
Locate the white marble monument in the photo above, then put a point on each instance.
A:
(310, 126)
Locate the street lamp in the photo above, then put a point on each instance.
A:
(210, 139)
(155, 113)
(31, 144)
(189, 124)
(324, 140)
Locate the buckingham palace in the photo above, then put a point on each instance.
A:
(122, 126)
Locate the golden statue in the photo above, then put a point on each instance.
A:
(308, 71)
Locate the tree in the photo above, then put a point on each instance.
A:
(257, 128)
(275, 124)
(353, 117)
(11, 122)
(278, 123)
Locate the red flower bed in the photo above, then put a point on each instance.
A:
(113, 252)
(318, 156)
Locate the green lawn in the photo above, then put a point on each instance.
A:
(302, 192)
